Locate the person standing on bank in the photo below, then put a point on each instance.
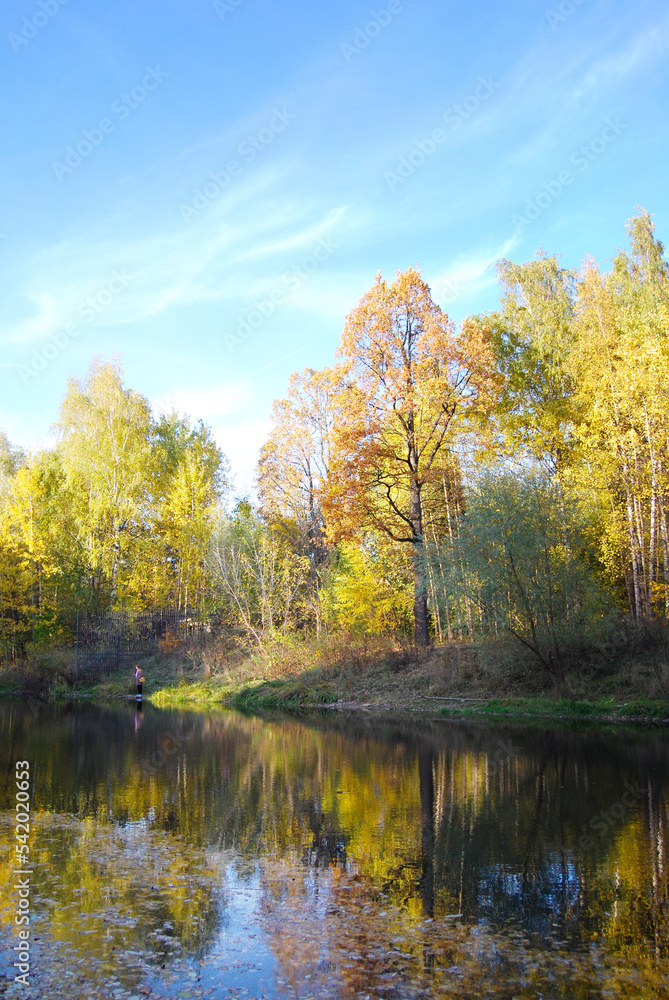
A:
(139, 680)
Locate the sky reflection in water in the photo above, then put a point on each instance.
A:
(217, 855)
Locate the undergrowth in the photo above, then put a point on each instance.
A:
(491, 679)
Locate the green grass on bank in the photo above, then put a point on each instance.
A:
(563, 708)
(377, 673)
(300, 693)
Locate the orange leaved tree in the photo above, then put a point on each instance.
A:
(413, 384)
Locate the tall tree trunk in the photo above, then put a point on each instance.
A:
(114, 572)
(427, 831)
(435, 598)
(636, 568)
(421, 628)
(665, 558)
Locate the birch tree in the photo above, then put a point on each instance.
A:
(104, 443)
(621, 367)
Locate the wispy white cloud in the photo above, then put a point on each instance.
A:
(206, 262)
(209, 404)
(277, 361)
(573, 84)
(299, 240)
(228, 139)
(470, 272)
(638, 56)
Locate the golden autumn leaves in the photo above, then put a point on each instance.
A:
(556, 401)
(120, 512)
(358, 447)
(412, 383)
(382, 483)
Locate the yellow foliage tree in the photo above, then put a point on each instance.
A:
(413, 384)
(621, 367)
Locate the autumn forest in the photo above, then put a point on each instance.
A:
(505, 478)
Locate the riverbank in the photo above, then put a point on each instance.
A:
(375, 675)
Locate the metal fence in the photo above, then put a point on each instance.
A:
(107, 641)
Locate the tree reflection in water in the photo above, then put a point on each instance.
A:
(388, 858)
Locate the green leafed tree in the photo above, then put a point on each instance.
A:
(104, 443)
(532, 335)
(523, 577)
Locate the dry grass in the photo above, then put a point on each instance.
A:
(377, 671)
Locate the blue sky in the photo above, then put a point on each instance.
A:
(207, 189)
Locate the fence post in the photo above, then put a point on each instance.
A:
(76, 662)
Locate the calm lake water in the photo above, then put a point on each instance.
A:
(189, 854)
